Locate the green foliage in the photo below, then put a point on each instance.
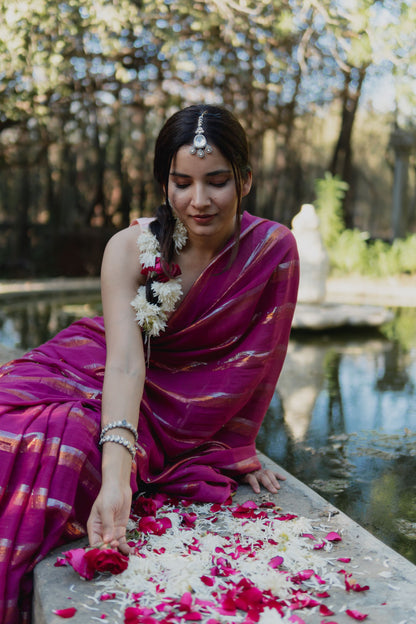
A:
(350, 251)
(330, 192)
(402, 328)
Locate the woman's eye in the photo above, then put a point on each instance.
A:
(181, 185)
(219, 183)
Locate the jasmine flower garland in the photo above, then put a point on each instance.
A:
(153, 317)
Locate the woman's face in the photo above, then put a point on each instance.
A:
(203, 195)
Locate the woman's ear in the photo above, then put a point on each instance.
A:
(245, 190)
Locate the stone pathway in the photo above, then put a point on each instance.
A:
(391, 578)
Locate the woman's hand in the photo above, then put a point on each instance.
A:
(266, 478)
(109, 516)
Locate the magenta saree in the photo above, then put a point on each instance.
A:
(210, 379)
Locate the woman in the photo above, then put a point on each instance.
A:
(197, 307)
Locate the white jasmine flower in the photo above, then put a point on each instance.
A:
(148, 243)
(180, 235)
(168, 293)
(152, 317)
(147, 259)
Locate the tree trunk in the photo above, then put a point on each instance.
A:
(342, 160)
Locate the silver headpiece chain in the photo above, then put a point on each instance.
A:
(200, 145)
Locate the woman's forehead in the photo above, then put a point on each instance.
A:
(192, 165)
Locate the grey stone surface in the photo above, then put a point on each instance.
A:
(392, 579)
(332, 315)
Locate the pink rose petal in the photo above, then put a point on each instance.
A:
(344, 559)
(276, 562)
(333, 537)
(319, 546)
(149, 524)
(76, 558)
(65, 613)
(108, 596)
(356, 614)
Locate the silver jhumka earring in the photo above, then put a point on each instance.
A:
(200, 145)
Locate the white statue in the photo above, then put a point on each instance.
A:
(314, 262)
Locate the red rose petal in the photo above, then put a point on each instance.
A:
(65, 613)
(344, 559)
(106, 560)
(286, 517)
(276, 562)
(324, 610)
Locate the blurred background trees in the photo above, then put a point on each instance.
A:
(320, 86)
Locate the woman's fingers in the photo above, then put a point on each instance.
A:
(266, 478)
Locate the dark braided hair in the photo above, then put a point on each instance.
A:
(223, 131)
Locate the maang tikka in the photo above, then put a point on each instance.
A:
(200, 145)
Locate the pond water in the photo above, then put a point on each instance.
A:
(342, 419)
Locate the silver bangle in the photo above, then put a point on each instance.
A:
(119, 440)
(120, 424)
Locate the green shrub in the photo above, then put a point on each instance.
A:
(350, 251)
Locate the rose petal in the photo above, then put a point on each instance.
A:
(319, 546)
(65, 613)
(76, 558)
(344, 559)
(276, 562)
(108, 596)
(106, 560)
(286, 517)
(333, 537)
(324, 610)
(356, 614)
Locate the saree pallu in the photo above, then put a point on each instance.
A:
(210, 379)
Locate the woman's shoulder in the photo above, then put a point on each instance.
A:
(143, 222)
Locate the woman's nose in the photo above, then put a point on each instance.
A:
(200, 196)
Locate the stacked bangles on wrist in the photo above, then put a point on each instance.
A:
(117, 439)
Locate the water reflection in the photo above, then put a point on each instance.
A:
(342, 419)
(27, 324)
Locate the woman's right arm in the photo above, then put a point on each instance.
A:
(123, 386)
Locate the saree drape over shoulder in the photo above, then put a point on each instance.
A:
(210, 379)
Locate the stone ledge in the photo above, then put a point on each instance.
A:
(392, 579)
(334, 315)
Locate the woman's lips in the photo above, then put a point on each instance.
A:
(204, 219)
